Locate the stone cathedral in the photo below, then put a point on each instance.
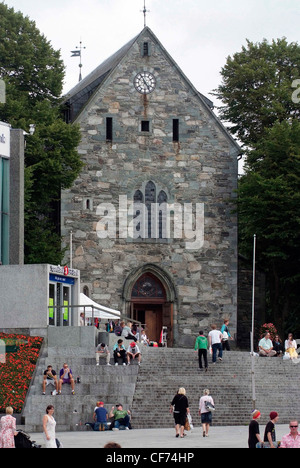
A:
(154, 233)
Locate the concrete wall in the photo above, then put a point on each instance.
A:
(24, 296)
(71, 337)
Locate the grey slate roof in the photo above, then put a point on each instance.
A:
(81, 93)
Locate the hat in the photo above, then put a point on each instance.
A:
(132, 344)
(273, 415)
(256, 414)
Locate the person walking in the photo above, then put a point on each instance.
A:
(206, 404)
(180, 409)
(215, 342)
(49, 425)
(8, 429)
(254, 432)
(270, 434)
(201, 345)
(226, 335)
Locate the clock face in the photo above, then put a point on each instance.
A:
(144, 82)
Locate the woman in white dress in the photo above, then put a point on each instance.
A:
(49, 424)
(291, 347)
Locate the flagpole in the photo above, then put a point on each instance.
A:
(252, 326)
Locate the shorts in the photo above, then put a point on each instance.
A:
(180, 418)
(206, 418)
(50, 382)
(66, 381)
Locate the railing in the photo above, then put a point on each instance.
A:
(60, 311)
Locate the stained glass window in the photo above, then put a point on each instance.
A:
(148, 286)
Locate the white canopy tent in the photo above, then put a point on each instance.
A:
(91, 309)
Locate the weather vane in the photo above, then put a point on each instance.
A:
(145, 11)
(78, 53)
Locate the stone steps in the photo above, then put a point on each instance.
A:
(148, 390)
(110, 384)
(230, 383)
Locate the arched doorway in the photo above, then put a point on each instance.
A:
(150, 298)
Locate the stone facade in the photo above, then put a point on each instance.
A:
(166, 146)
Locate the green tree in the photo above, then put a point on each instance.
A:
(256, 88)
(269, 206)
(256, 92)
(33, 72)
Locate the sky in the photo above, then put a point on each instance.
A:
(198, 34)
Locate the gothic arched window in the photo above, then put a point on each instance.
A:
(148, 286)
(150, 212)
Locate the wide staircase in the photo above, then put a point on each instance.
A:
(230, 384)
(148, 390)
(97, 383)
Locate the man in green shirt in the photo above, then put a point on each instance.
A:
(121, 417)
(201, 345)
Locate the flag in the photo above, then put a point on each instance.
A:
(76, 53)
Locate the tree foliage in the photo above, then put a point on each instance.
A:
(257, 91)
(33, 72)
(269, 206)
(256, 88)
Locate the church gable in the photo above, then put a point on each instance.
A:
(159, 169)
(145, 74)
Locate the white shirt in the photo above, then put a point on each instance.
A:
(216, 336)
(135, 350)
(290, 344)
(202, 401)
(265, 344)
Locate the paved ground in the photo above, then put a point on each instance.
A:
(219, 437)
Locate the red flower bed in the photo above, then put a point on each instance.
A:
(16, 368)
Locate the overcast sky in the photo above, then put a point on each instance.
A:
(198, 34)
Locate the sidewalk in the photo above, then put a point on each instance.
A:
(219, 437)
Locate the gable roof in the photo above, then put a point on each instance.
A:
(81, 93)
(76, 99)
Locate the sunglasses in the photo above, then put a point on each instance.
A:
(293, 427)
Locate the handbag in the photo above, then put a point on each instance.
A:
(189, 417)
(209, 406)
(225, 336)
(187, 426)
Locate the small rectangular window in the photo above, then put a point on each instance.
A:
(175, 129)
(109, 128)
(145, 126)
(146, 49)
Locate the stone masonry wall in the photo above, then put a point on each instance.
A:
(200, 168)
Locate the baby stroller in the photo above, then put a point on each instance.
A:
(22, 440)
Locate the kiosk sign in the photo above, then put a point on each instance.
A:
(4, 140)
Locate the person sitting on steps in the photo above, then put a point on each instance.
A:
(266, 346)
(66, 377)
(121, 417)
(120, 352)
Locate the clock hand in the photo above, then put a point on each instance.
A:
(146, 84)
